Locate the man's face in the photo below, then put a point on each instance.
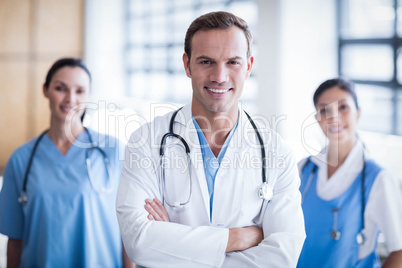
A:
(218, 68)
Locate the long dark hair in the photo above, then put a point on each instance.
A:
(66, 62)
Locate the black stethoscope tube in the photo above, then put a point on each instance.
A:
(23, 198)
(360, 239)
(265, 191)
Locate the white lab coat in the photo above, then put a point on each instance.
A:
(190, 239)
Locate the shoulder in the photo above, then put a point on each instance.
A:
(112, 145)
(103, 139)
(385, 182)
(18, 161)
(373, 166)
(151, 133)
(302, 163)
(23, 152)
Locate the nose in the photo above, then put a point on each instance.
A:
(219, 74)
(331, 114)
(71, 97)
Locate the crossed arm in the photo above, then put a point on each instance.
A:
(239, 238)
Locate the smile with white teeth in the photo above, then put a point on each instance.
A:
(214, 90)
(335, 129)
(66, 109)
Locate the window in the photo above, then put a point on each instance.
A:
(370, 43)
(154, 45)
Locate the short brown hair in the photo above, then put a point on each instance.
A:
(216, 20)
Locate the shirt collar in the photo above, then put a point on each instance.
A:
(353, 162)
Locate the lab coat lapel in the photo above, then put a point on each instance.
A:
(189, 133)
(237, 144)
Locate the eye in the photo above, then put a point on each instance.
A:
(59, 88)
(233, 62)
(343, 107)
(206, 62)
(321, 111)
(80, 91)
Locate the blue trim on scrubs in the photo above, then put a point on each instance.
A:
(319, 249)
(65, 223)
(211, 163)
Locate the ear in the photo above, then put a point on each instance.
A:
(249, 66)
(186, 63)
(45, 91)
(317, 116)
(358, 115)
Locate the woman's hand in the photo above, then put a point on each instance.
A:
(156, 210)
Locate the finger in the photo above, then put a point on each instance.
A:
(150, 217)
(160, 210)
(151, 211)
(159, 203)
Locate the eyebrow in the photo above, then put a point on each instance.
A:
(326, 104)
(65, 85)
(61, 82)
(211, 59)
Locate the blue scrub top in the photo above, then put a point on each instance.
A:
(211, 163)
(66, 222)
(319, 250)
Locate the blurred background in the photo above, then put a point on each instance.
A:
(134, 49)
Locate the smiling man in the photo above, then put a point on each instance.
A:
(226, 207)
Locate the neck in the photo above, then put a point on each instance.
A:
(216, 126)
(337, 154)
(63, 134)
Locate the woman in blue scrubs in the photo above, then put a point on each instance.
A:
(64, 213)
(345, 210)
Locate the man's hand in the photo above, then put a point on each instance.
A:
(244, 238)
(156, 210)
(239, 238)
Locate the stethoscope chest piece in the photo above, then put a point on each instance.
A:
(23, 198)
(265, 192)
(335, 235)
(360, 238)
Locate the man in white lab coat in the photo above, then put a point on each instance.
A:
(209, 211)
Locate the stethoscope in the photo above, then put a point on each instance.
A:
(265, 192)
(23, 198)
(335, 233)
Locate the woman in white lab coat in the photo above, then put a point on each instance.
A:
(347, 198)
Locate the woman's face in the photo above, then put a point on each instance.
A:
(337, 115)
(68, 92)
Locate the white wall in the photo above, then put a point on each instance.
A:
(297, 51)
(104, 56)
